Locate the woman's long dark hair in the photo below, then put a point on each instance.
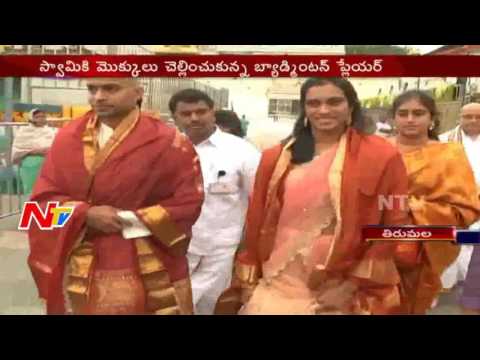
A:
(304, 147)
(424, 99)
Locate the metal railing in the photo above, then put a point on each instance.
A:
(11, 192)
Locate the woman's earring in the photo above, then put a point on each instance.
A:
(431, 127)
(305, 122)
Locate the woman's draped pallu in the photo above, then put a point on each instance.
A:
(302, 242)
(442, 191)
(300, 257)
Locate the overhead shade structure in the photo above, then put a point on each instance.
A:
(54, 47)
(96, 49)
(283, 49)
(174, 49)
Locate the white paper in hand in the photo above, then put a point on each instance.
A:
(137, 228)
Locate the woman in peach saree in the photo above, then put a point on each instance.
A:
(305, 232)
(304, 252)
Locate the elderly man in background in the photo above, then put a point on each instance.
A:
(30, 145)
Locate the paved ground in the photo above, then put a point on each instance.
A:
(18, 294)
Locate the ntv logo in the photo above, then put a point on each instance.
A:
(390, 202)
(55, 216)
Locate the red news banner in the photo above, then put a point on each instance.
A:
(241, 66)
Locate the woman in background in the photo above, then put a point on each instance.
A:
(304, 252)
(441, 191)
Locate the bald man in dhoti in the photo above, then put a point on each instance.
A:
(136, 190)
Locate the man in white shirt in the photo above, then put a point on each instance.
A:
(383, 128)
(468, 134)
(228, 165)
(30, 146)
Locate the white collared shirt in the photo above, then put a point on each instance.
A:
(104, 134)
(221, 221)
(472, 149)
(31, 137)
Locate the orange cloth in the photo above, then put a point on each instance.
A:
(442, 191)
(116, 292)
(370, 167)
